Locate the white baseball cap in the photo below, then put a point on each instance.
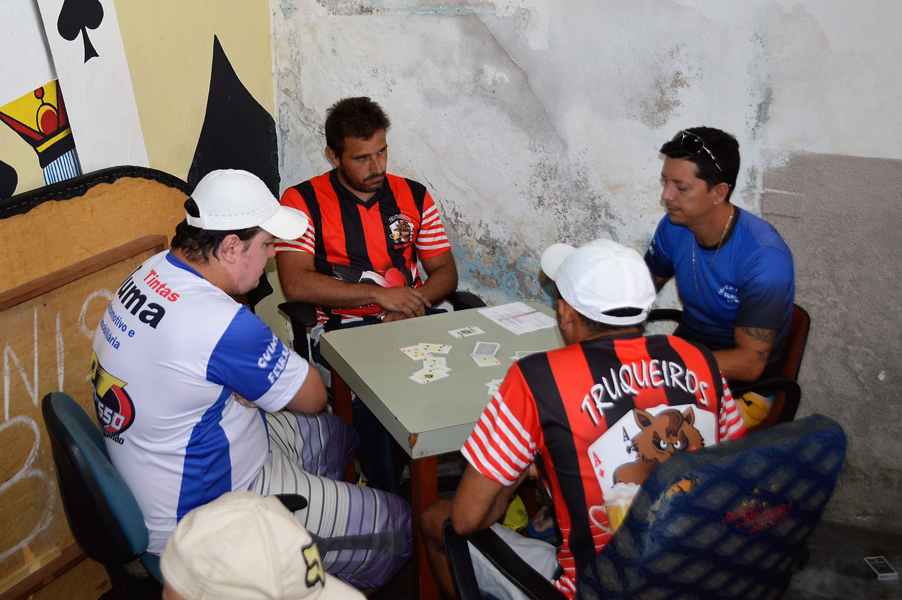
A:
(229, 200)
(244, 546)
(599, 277)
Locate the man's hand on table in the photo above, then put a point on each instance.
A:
(389, 316)
(404, 300)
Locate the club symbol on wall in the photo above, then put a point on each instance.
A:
(77, 16)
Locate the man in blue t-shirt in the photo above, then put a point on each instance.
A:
(734, 273)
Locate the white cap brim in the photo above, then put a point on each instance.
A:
(553, 257)
(287, 223)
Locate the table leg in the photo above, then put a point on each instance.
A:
(341, 396)
(423, 492)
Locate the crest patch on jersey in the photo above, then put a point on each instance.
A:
(401, 227)
(115, 409)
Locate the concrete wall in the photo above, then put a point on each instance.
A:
(539, 121)
(840, 214)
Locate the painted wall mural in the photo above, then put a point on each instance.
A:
(238, 133)
(89, 56)
(205, 109)
(41, 120)
(75, 18)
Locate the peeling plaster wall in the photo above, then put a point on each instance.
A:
(534, 122)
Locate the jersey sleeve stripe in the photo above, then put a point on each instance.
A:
(476, 458)
(489, 450)
(730, 420)
(521, 440)
(304, 243)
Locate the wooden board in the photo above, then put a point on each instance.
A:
(59, 233)
(47, 347)
(70, 256)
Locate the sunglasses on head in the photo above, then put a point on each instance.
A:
(693, 144)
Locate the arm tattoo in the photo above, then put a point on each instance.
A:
(764, 335)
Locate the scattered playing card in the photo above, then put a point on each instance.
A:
(435, 348)
(525, 353)
(466, 331)
(427, 376)
(431, 362)
(486, 361)
(415, 352)
(485, 349)
(493, 386)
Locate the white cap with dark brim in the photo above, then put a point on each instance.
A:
(600, 277)
(230, 200)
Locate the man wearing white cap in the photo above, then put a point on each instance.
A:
(592, 419)
(188, 385)
(244, 546)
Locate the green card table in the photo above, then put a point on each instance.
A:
(425, 419)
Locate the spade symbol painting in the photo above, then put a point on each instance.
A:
(76, 17)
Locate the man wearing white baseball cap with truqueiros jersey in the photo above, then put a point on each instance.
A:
(562, 416)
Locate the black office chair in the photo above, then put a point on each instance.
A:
(785, 387)
(303, 317)
(724, 522)
(101, 510)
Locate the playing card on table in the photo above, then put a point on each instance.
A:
(525, 353)
(415, 352)
(485, 349)
(427, 376)
(435, 348)
(466, 331)
(493, 386)
(486, 361)
(435, 363)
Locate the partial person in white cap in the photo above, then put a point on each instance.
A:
(244, 546)
(197, 397)
(591, 419)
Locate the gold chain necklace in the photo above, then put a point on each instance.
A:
(719, 244)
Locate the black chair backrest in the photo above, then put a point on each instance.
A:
(798, 338)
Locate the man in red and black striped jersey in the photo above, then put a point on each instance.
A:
(592, 419)
(358, 260)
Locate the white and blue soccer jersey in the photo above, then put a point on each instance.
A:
(748, 282)
(169, 353)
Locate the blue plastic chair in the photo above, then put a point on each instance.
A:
(724, 522)
(101, 510)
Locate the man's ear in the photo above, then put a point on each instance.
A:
(230, 247)
(721, 190)
(566, 314)
(334, 158)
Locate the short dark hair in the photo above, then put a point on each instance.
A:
(721, 144)
(594, 326)
(599, 327)
(353, 117)
(199, 244)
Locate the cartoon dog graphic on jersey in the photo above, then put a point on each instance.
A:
(663, 435)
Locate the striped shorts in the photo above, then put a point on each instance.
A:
(363, 534)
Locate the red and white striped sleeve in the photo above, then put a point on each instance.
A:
(729, 419)
(431, 239)
(502, 444)
(306, 243)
